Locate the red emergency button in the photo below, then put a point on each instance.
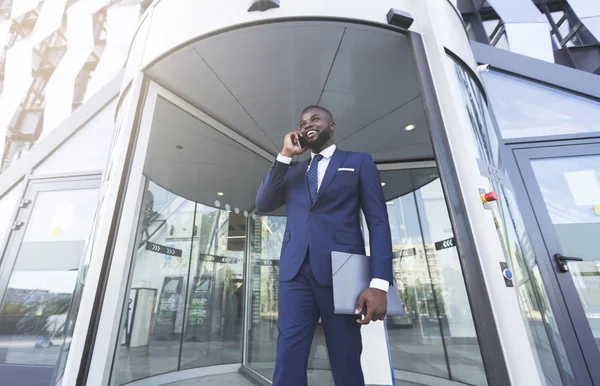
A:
(489, 197)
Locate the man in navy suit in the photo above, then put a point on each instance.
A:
(323, 198)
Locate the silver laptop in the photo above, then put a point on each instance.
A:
(351, 276)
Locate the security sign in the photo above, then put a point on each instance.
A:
(162, 249)
(445, 244)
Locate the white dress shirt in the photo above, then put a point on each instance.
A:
(327, 154)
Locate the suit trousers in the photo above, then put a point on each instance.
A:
(302, 301)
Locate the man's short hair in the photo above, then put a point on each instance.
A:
(319, 108)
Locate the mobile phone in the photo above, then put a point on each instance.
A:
(302, 142)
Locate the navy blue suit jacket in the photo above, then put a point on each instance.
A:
(332, 223)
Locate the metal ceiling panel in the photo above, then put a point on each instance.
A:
(295, 57)
(257, 80)
(186, 74)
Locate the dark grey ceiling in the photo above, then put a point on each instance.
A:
(257, 80)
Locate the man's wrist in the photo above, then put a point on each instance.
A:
(380, 284)
(284, 159)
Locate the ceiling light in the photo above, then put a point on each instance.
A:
(409, 127)
(220, 193)
(383, 184)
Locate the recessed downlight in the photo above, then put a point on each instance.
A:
(383, 184)
(409, 127)
(220, 193)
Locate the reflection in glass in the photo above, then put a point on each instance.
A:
(484, 137)
(266, 236)
(528, 109)
(34, 310)
(185, 299)
(547, 345)
(213, 326)
(571, 190)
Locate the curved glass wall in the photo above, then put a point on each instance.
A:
(185, 298)
(184, 308)
(525, 108)
(187, 289)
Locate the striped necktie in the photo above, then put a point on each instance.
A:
(313, 177)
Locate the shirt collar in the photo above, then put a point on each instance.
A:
(327, 153)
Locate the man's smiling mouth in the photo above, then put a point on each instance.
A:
(311, 133)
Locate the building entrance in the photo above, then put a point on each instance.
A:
(196, 294)
(203, 286)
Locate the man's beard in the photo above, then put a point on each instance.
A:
(317, 144)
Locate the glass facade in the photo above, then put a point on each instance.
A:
(525, 108)
(543, 333)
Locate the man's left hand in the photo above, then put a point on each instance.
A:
(375, 301)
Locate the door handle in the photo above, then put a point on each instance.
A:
(562, 261)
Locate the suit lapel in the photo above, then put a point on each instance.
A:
(336, 161)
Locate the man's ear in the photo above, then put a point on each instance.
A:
(332, 125)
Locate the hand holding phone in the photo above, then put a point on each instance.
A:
(294, 144)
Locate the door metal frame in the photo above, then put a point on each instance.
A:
(574, 329)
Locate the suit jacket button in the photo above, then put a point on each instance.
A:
(312, 213)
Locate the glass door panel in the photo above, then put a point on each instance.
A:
(571, 190)
(565, 193)
(39, 277)
(265, 240)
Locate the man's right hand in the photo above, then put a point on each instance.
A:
(291, 145)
